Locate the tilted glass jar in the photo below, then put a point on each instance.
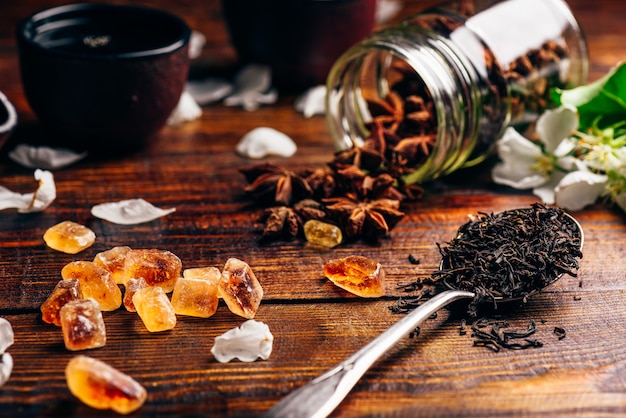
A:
(434, 92)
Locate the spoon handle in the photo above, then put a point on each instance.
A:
(320, 396)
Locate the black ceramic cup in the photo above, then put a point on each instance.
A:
(299, 39)
(102, 76)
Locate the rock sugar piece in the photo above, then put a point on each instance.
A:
(95, 282)
(357, 274)
(194, 297)
(132, 286)
(101, 386)
(82, 325)
(63, 292)
(113, 260)
(154, 309)
(240, 288)
(250, 341)
(322, 234)
(157, 267)
(69, 237)
(211, 274)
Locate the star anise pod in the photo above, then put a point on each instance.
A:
(280, 221)
(369, 219)
(274, 184)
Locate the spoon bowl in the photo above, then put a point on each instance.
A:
(319, 397)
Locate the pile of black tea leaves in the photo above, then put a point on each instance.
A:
(510, 254)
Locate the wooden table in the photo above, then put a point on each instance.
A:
(315, 324)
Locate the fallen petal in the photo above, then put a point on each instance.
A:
(263, 141)
(6, 367)
(196, 43)
(579, 189)
(43, 157)
(209, 90)
(248, 342)
(312, 102)
(253, 88)
(186, 110)
(31, 202)
(6, 335)
(129, 212)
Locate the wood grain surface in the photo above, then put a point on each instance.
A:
(193, 168)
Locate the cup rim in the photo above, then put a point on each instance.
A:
(10, 121)
(52, 18)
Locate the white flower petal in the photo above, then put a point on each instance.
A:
(6, 335)
(253, 88)
(6, 367)
(545, 192)
(196, 43)
(262, 142)
(129, 212)
(43, 157)
(579, 189)
(554, 125)
(31, 202)
(312, 101)
(186, 110)
(248, 342)
(209, 90)
(517, 155)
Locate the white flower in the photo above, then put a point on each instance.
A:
(579, 189)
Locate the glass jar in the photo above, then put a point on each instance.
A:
(433, 93)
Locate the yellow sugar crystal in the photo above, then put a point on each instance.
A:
(63, 292)
(113, 260)
(82, 325)
(101, 386)
(69, 237)
(357, 274)
(154, 309)
(211, 274)
(132, 285)
(157, 267)
(95, 282)
(240, 288)
(322, 234)
(194, 297)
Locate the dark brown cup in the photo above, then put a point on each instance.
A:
(100, 76)
(299, 39)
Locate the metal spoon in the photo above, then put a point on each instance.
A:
(319, 397)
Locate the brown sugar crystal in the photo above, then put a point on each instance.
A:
(64, 291)
(157, 267)
(240, 288)
(82, 325)
(357, 274)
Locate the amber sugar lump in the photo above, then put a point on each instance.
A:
(358, 275)
(131, 287)
(211, 274)
(113, 260)
(157, 267)
(69, 237)
(82, 325)
(322, 234)
(101, 386)
(155, 309)
(95, 282)
(194, 297)
(63, 292)
(240, 288)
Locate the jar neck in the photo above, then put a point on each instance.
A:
(369, 72)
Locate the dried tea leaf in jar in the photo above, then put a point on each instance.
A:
(101, 386)
(240, 288)
(95, 282)
(358, 275)
(82, 325)
(69, 237)
(63, 292)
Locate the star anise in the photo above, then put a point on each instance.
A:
(369, 219)
(275, 185)
(280, 221)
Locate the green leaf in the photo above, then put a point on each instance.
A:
(603, 100)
